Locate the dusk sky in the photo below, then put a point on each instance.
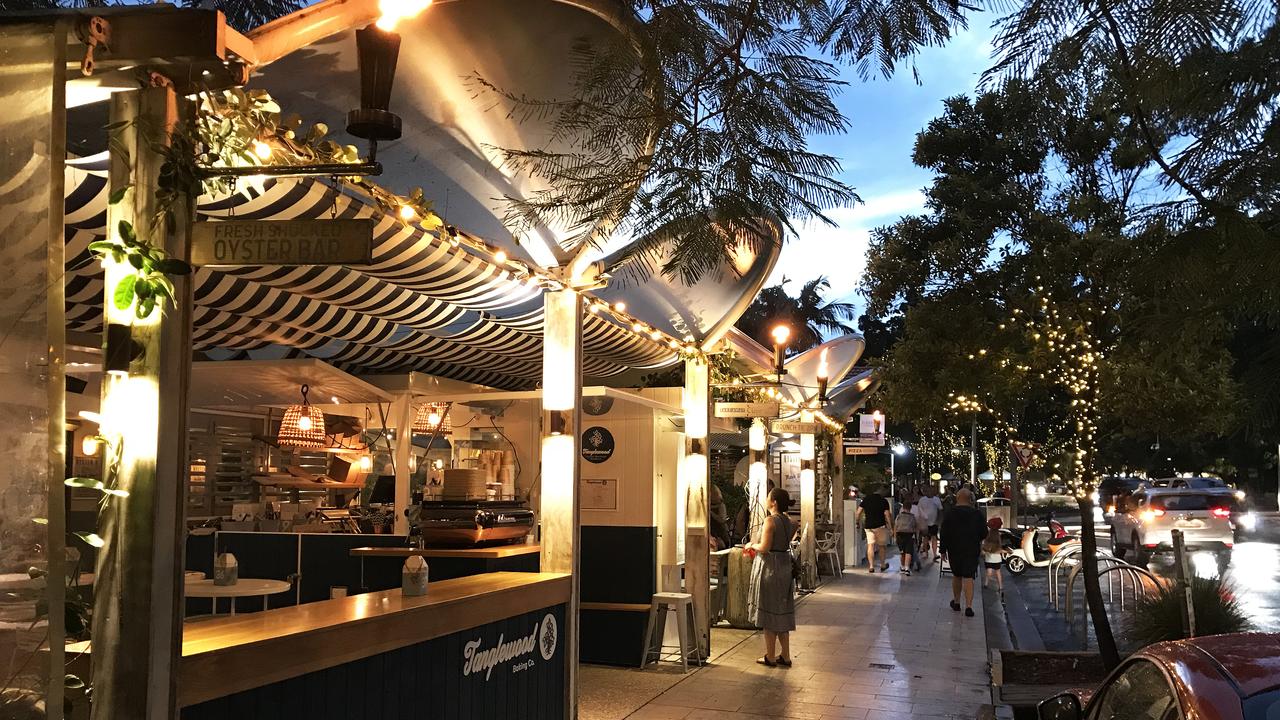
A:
(876, 157)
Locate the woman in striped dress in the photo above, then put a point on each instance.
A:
(771, 602)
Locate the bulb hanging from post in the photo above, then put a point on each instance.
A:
(302, 426)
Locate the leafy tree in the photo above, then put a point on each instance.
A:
(809, 317)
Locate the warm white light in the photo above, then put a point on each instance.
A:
(393, 11)
(413, 463)
(823, 371)
(366, 463)
(438, 464)
(560, 350)
(89, 445)
(500, 257)
(334, 399)
(407, 212)
(780, 334)
(900, 449)
(756, 435)
(695, 399)
(304, 423)
(620, 306)
(433, 418)
(262, 150)
(91, 416)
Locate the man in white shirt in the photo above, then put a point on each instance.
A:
(930, 510)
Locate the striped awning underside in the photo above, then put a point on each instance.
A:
(422, 305)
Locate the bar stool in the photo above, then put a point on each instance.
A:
(682, 603)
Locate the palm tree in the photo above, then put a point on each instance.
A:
(809, 318)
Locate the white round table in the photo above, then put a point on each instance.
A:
(244, 587)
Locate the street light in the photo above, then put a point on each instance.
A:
(895, 451)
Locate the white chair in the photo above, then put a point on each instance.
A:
(827, 548)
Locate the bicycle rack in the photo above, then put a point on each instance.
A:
(1133, 573)
(1060, 559)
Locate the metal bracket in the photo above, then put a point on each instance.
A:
(93, 31)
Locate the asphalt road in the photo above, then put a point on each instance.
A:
(1254, 573)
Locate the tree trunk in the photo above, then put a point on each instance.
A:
(1093, 589)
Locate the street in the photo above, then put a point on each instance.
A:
(1254, 575)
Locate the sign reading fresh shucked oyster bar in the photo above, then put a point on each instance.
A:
(235, 243)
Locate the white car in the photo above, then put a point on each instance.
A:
(1149, 516)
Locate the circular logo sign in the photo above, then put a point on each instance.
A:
(596, 405)
(597, 445)
(547, 637)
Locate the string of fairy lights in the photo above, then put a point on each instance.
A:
(1072, 355)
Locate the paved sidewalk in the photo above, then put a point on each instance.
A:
(867, 647)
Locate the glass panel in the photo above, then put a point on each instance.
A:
(31, 378)
(1140, 692)
(1175, 503)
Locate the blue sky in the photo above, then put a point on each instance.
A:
(876, 157)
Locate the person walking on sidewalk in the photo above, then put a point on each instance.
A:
(875, 518)
(930, 508)
(963, 530)
(771, 602)
(993, 555)
(904, 526)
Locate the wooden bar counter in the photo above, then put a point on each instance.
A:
(446, 563)
(484, 646)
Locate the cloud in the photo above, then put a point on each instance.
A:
(840, 252)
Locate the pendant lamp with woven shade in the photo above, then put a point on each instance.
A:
(302, 426)
(433, 418)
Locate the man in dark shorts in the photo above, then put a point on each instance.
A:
(876, 521)
(963, 529)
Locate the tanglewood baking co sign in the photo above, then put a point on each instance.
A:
(597, 445)
(521, 653)
(236, 243)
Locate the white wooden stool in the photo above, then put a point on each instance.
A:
(682, 603)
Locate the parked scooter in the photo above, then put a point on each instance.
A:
(1031, 553)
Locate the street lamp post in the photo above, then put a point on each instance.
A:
(896, 450)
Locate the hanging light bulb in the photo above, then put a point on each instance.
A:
(366, 463)
(500, 257)
(262, 150)
(432, 418)
(407, 213)
(302, 426)
(89, 445)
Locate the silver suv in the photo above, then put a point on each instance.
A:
(1150, 515)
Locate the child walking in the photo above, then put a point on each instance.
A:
(993, 557)
(904, 526)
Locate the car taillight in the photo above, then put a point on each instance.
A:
(1221, 512)
(1149, 515)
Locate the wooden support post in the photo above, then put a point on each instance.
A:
(837, 490)
(402, 415)
(137, 619)
(560, 515)
(808, 503)
(696, 471)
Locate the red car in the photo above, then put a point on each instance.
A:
(1222, 677)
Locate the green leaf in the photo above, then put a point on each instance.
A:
(118, 194)
(135, 260)
(161, 287)
(83, 482)
(91, 539)
(173, 266)
(123, 295)
(142, 288)
(102, 246)
(126, 232)
(118, 125)
(144, 308)
(40, 521)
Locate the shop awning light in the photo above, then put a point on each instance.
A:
(433, 418)
(302, 426)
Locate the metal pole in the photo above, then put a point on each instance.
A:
(973, 453)
(1184, 583)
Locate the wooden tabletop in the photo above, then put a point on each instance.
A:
(485, 553)
(244, 587)
(230, 654)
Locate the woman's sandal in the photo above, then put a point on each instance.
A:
(765, 661)
(783, 662)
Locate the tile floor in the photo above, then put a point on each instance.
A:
(867, 647)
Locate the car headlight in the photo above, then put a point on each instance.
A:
(1240, 494)
(1248, 521)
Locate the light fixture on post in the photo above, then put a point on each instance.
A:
(377, 50)
(121, 349)
(823, 373)
(302, 426)
(433, 419)
(780, 334)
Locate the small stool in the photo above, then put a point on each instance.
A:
(682, 603)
